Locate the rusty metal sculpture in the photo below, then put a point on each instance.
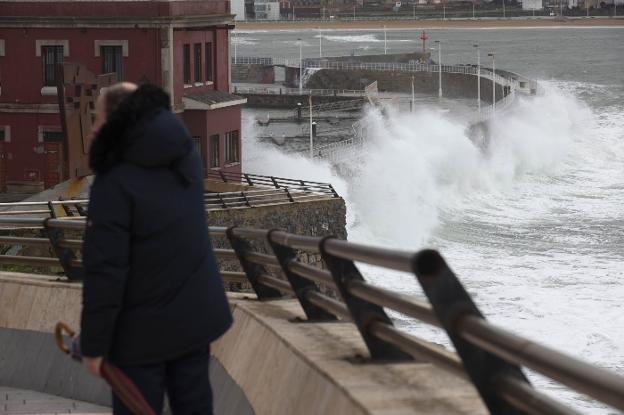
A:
(78, 89)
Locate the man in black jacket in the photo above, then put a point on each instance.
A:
(152, 297)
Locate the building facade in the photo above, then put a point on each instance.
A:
(180, 45)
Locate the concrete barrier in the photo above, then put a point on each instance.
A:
(270, 362)
(30, 306)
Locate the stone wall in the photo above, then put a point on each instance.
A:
(257, 74)
(314, 218)
(453, 85)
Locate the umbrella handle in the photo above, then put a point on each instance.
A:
(59, 329)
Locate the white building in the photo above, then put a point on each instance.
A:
(237, 7)
(267, 9)
(532, 5)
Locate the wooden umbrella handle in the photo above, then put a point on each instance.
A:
(59, 329)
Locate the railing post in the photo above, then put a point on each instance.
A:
(222, 201)
(290, 198)
(253, 271)
(248, 179)
(333, 190)
(65, 255)
(245, 199)
(80, 209)
(222, 176)
(364, 313)
(275, 182)
(52, 211)
(300, 285)
(450, 303)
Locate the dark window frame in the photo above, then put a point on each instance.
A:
(55, 54)
(52, 136)
(208, 58)
(232, 147)
(186, 63)
(115, 54)
(215, 157)
(197, 61)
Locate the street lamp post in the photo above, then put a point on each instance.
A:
(414, 10)
(320, 42)
(504, 9)
(300, 66)
(385, 42)
(473, 15)
(439, 68)
(353, 13)
(478, 77)
(311, 129)
(493, 83)
(412, 102)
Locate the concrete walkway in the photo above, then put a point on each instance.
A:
(20, 401)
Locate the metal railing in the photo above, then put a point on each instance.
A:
(378, 66)
(258, 180)
(268, 90)
(489, 356)
(264, 190)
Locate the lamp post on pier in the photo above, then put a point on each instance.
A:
(300, 66)
(478, 77)
(320, 42)
(385, 42)
(437, 42)
(493, 83)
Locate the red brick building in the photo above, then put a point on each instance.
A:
(181, 45)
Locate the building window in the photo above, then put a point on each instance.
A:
(2, 134)
(197, 61)
(231, 147)
(186, 64)
(208, 56)
(197, 145)
(112, 60)
(214, 151)
(51, 57)
(52, 136)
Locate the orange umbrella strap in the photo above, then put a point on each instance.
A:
(58, 336)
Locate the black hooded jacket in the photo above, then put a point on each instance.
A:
(152, 290)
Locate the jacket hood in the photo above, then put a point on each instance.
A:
(142, 131)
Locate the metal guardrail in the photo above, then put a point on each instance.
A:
(264, 190)
(258, 180)
(267, 90)
(489, 356)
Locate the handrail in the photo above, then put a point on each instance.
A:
(490, 356)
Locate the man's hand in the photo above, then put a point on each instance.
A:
(93, 365)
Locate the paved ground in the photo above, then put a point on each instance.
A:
(22, 402)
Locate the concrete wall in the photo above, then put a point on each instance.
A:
(267, 363)
(30, 306)
(453, 85)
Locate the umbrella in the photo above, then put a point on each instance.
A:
(121, 384)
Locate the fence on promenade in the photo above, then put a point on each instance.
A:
(489, 356)
(258, 190)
